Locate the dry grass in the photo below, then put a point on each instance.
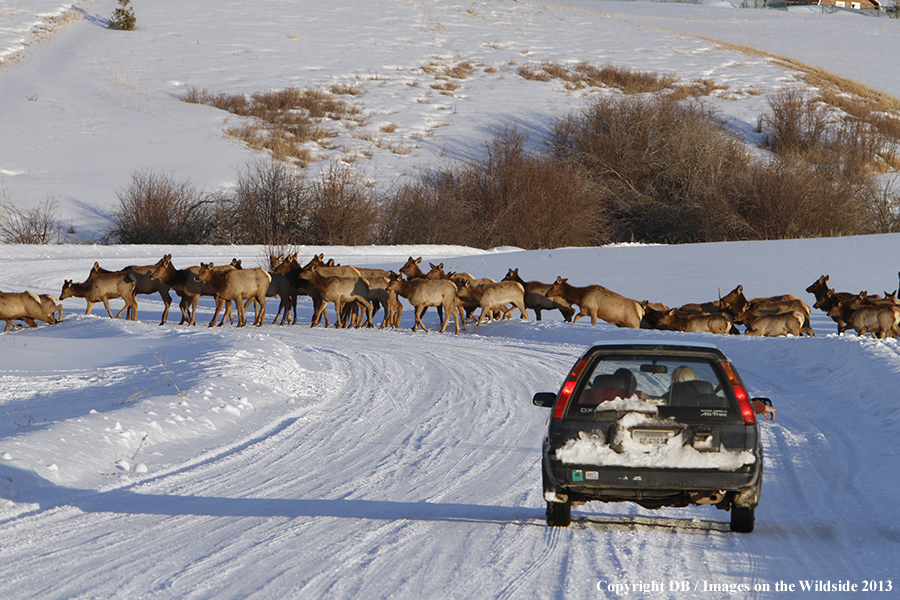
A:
(285, 122)
(588, 75)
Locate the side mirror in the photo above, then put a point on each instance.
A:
(544, 399)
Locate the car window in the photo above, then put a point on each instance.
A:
(677, 383)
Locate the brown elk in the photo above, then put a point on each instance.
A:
(411, 269)
(746, 311)
(393, 310)
(237, 285)
(25, 306)
(51, 308)
(184, 282)
(144, 282)
(329, 269)
(677, 319)
(339, 291)
(536, 297)
(101, 286)
(772, 325)
(497, 296)
(422, 293)
(596, 302)
(292, 269)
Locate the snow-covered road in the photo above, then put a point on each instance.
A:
(386, 464)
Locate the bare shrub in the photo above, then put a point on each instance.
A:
(427, 211)
(796, 128)
(511, 197)
(851, 140)
(156, 209)
(269, 206)
(519, 199)
(883, 205)
(777, 200)
(37, 225)
(658, 165)
(342, 210)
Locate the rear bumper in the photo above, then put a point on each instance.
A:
(584, 483)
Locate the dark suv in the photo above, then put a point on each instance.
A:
(655, 423)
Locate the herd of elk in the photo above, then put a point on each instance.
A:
(358, 293)
(878, 315)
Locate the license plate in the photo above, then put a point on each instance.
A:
(652, 437)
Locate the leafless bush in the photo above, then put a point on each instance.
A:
(516, 198)
(884, 207)
(777, 200)
(155, 209)
(832, 132)
(38, 225)
(427, 211)
(342, 210)
(796, 128)
(269, 205)
(511, 197)
(658, 165)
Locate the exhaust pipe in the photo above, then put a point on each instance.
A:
(707, 498)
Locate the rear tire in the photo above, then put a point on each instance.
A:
(559, 514)
(742, 519)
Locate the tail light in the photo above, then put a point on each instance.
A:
(565, 394)
(741, 394)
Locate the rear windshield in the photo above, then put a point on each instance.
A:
(675, 385)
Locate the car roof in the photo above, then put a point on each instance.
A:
(654, 342)
(657, 345)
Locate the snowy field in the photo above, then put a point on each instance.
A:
(139, 461)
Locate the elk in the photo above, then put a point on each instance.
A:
(680, 320)
(536, 297)
(330, 269)
(496, 297)
(186, 285)
(880, 321)
(237, 285)
(772, 325)
(22, 305)
(393, 310)
(292, 269)
(423, 293)
(101, 286)
(51, 308)
(339, 291)
(411, 269)
(746, 311)
(144, 282)
(596, 302)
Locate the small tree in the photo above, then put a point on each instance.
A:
(123, 18)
